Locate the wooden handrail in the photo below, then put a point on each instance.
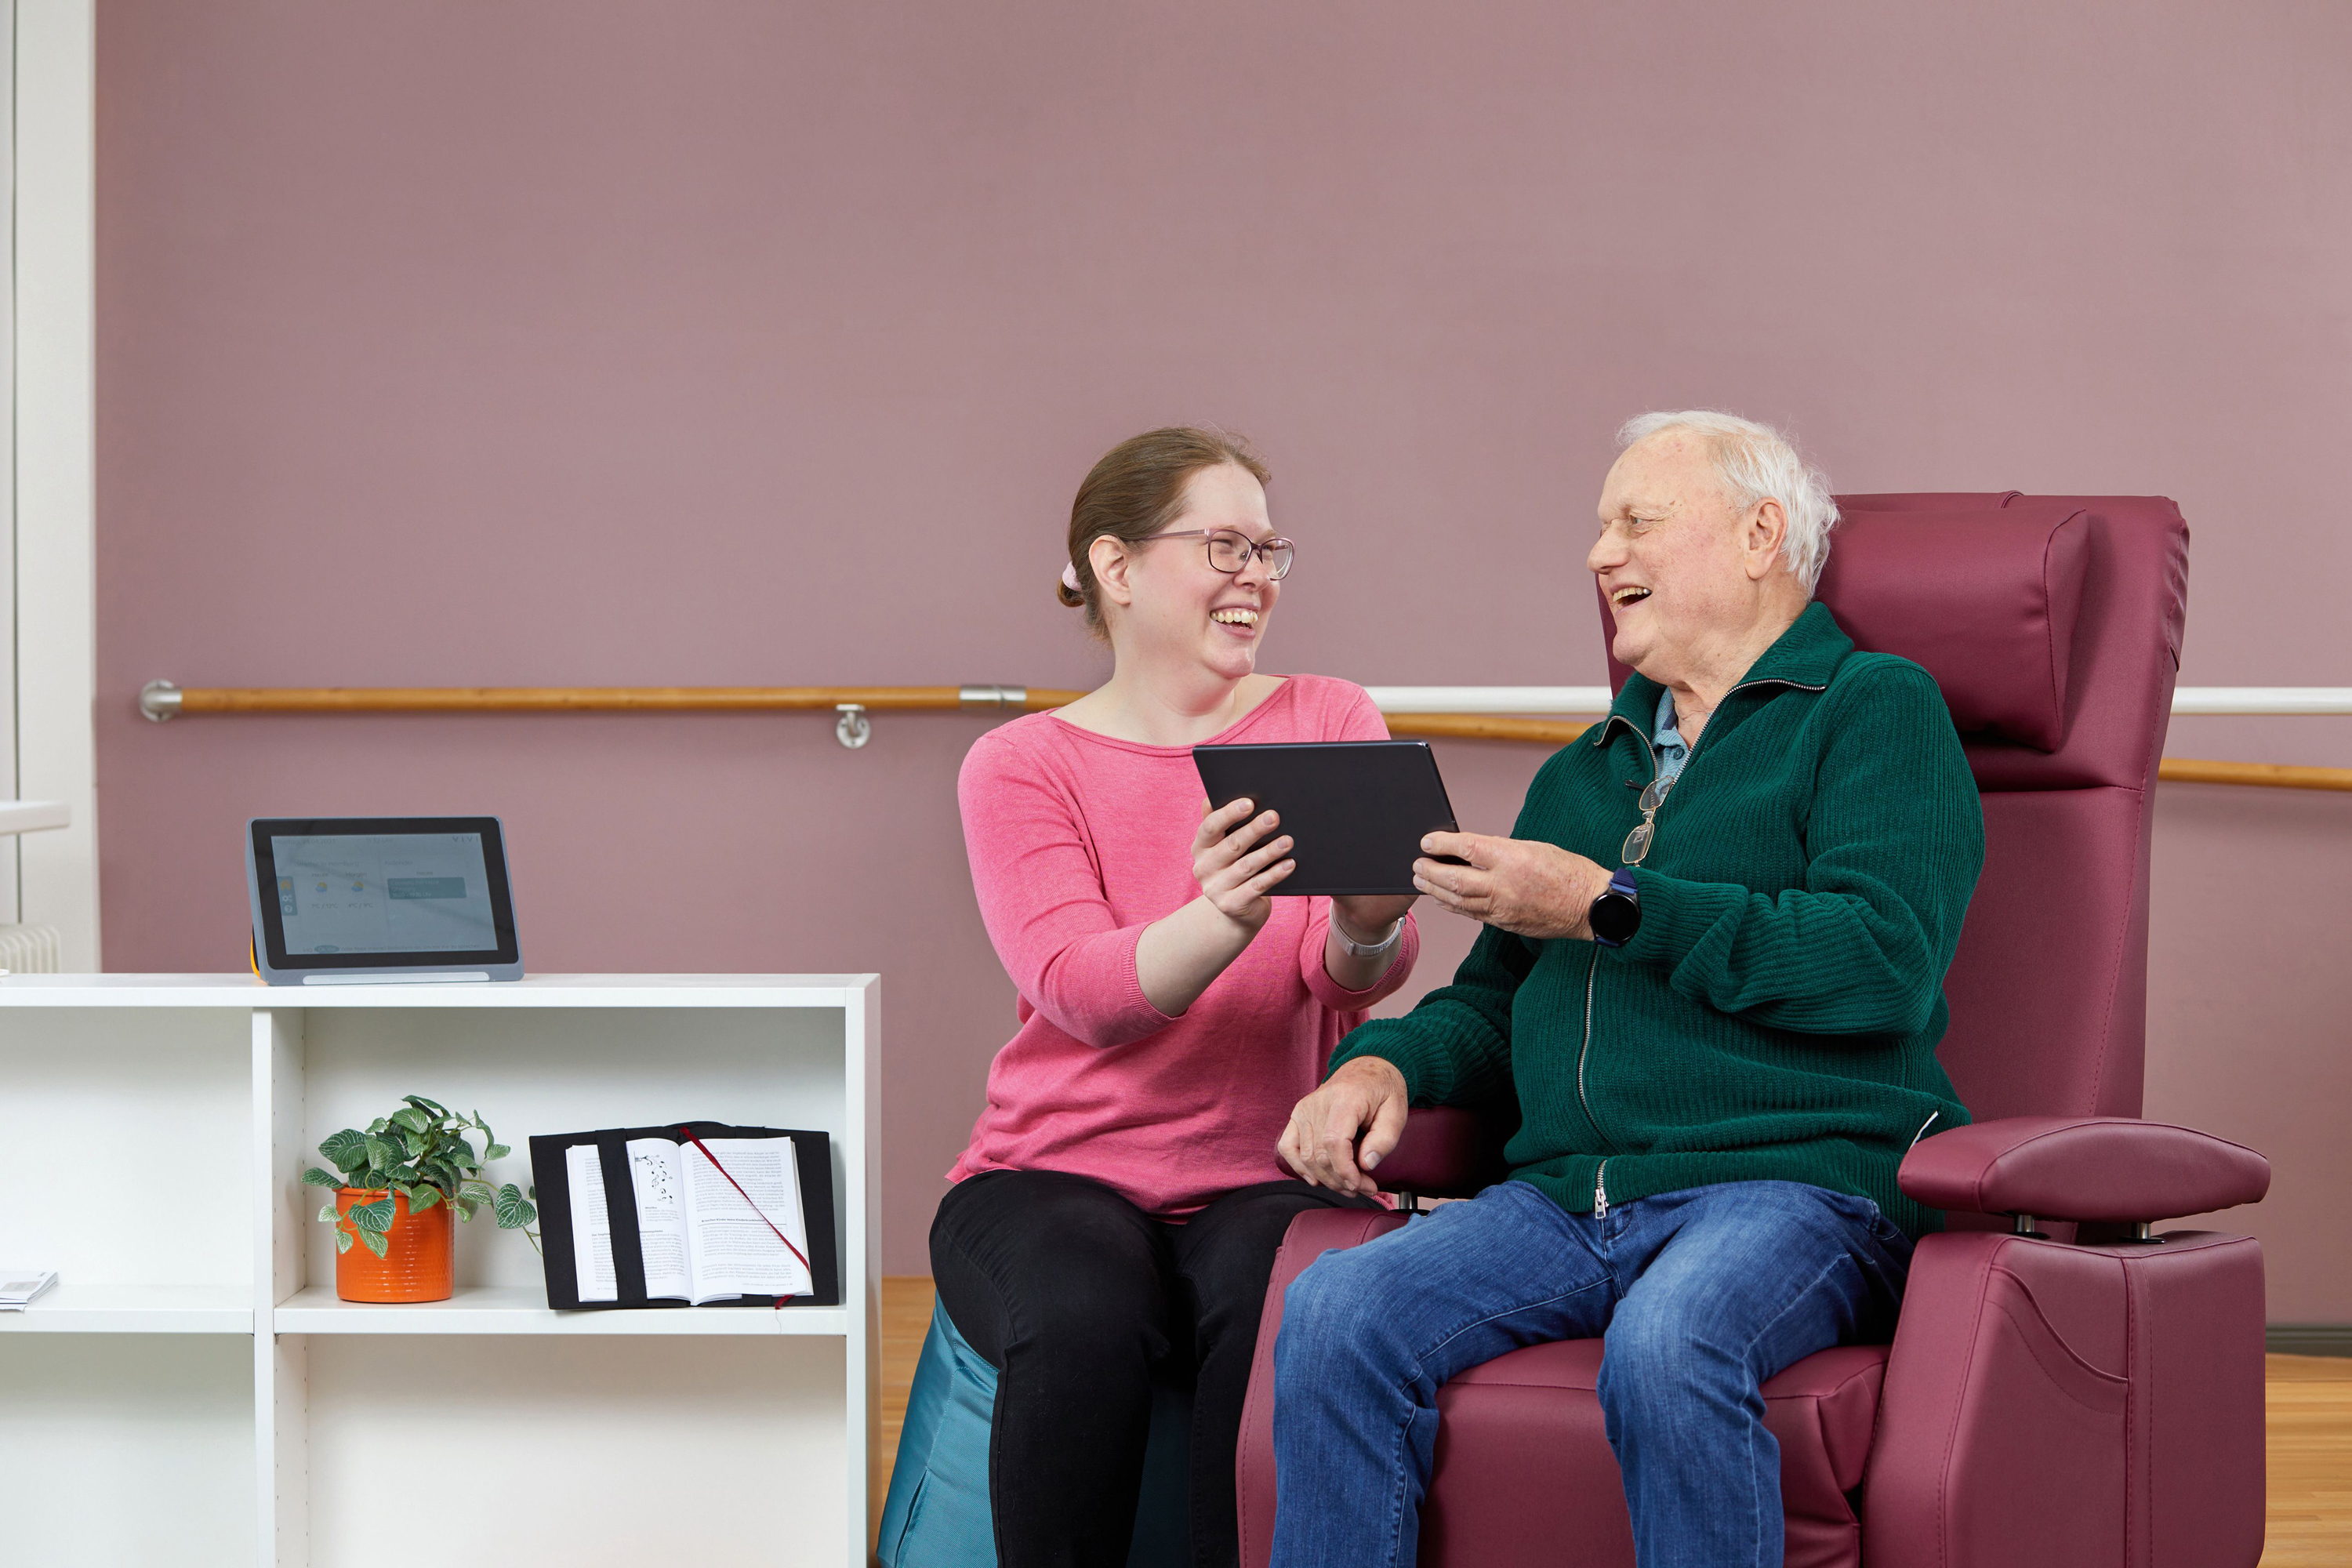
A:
(2276, 775)
(2172, 769)
(594, 699)
(1484, 727)
(162, 700)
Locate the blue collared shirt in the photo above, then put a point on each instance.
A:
(1671, 749)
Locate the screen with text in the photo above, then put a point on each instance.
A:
(408, 892)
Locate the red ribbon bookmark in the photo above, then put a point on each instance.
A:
(688, 1133)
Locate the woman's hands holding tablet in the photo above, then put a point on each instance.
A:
(1236, 864)
(1523, 886)
(1234, 871)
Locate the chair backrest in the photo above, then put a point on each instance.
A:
(2054, 626)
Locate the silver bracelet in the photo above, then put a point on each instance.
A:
(1354, 949)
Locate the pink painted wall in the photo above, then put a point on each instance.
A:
(552, 342)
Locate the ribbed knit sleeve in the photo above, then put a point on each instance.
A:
(1454, 1048)
(1894, 843)
(1041, 898)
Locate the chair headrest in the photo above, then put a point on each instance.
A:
(1985, 600)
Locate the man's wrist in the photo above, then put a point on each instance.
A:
(1379, 1069)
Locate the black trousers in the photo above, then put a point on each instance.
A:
(1074, 1295)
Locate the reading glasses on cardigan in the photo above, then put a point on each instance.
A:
(1230, 553)
(1637, 843)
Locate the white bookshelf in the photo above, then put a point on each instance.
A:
(194, 1393)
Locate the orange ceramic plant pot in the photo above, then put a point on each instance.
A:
(416, 1264)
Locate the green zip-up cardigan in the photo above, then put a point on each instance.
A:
(1776, 1016)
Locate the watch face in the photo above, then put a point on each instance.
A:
(1615, 916)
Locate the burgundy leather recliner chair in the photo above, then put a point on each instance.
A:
(2065, 1389)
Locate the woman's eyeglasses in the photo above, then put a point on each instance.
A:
(1637, 843)
(1230, 553)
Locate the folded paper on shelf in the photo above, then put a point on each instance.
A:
(19, 1285)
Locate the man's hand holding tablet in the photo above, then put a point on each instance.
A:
(1523, 886)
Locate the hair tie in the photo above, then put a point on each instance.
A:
(1070, 578)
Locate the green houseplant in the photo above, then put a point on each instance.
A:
(400, 1179)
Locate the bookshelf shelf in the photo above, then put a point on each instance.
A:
(523, 1309)
(69, 1308)
(32, 815)
(256, 1408)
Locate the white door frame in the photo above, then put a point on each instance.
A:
(9, 909)
(53, 683)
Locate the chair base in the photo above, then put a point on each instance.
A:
(2044, 1406)
(1524, 1464)
(2049, 1406)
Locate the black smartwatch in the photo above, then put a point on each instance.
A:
(1617, 912)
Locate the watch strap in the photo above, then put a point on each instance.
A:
(1621, 885)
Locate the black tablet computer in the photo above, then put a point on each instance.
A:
(377, 899)
(1356, 809)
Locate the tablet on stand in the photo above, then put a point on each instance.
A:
(374, 900)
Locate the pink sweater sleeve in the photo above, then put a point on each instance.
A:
(1359, 720)
(1041, 900)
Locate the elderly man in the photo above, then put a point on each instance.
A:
(1712, 981)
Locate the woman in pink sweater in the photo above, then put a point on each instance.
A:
(1118, 1204)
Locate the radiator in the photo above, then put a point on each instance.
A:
(28, 950)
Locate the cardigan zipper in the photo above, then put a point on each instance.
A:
(1601, 1172)
(1584, 1051)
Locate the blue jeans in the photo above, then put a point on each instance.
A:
(1699, 1297)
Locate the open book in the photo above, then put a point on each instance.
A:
(632, 1217)
(705, 1232)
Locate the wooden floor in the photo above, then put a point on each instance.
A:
(2310, 1402)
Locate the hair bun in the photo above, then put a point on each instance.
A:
(1067, 589)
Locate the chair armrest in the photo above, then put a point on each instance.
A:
(2101, 1169)
(1445, 1152)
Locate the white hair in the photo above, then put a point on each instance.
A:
(1757, 463)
